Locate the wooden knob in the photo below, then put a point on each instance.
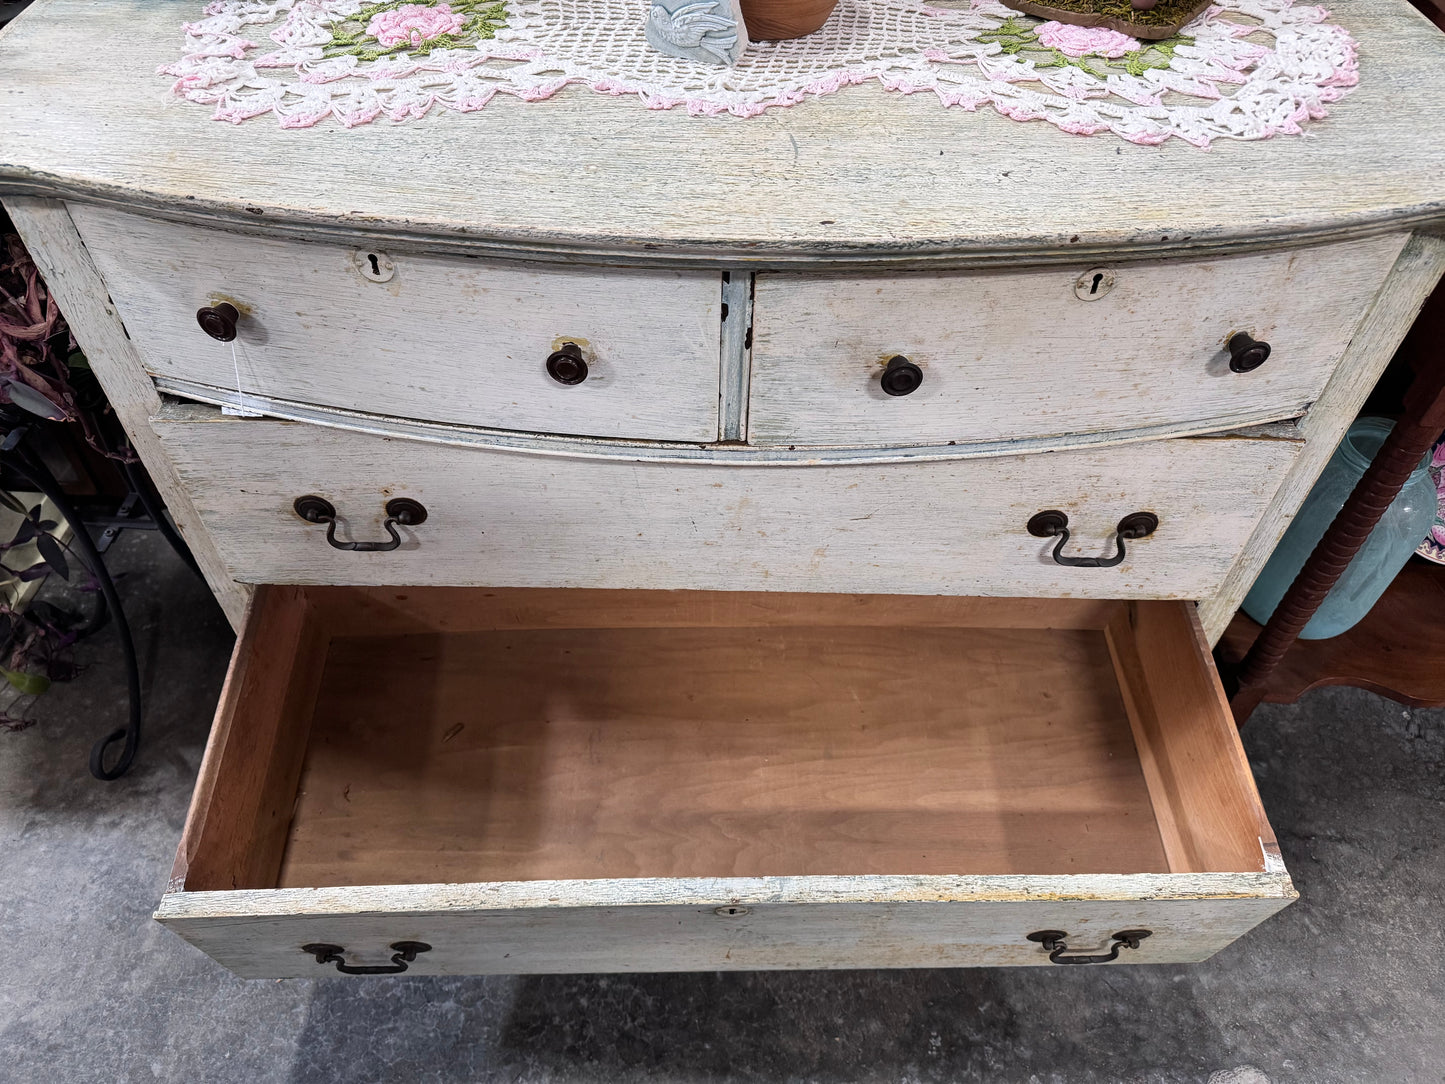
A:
(567, 366)
(219, 321)
(1246, 353)
(901, 377)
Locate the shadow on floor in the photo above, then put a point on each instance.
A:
(1343, 986)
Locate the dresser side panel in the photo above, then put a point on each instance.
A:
(1384, 326)
(48, 232)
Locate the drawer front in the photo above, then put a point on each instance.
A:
(1015, 355)
(903, 782)
(504, 519)
(725, 925)
(444, 339)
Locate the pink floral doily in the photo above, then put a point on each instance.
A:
(1244, 69)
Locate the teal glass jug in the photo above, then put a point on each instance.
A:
(1404, 524)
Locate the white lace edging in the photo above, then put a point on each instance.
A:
(1244, 69)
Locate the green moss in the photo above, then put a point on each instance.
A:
(1164, 14)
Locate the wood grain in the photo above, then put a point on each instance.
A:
(393, 611)
(1415, 274)
(723, 453)
(1016, 355)
(1209, 812)
(593, 176)
(52, 240)
(1397, 650)
(241, 810)
(718, 752)
(445, 339)
(894, 751)
(545, 521)
(638, 925)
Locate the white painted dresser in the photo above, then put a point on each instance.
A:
(697, 621)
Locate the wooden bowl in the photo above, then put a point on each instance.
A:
(776, 20)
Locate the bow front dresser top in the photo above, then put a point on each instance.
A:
(660, 542)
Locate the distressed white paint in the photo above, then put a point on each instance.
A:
(1017, 355)
(674, 452)
(672, 924)
(498, 519)
(50, 236)
(445, 339)
(1415, 275)
(862, 175)
(736, 356)
(578, 180)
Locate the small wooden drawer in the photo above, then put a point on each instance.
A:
(1013, 355)
(442, 339)
(544, 781)
(957, 526)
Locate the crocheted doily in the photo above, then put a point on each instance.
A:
(1245, 69)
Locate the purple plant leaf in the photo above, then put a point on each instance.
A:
(53, 554)
(27, 398)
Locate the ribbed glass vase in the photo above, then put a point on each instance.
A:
(1404, 524)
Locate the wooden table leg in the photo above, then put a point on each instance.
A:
(1413, 436)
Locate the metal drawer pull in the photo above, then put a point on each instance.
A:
(404, 952)
(1053, 522)
(566, 365)
(901, 376)
(1246, 353)
(403, 510)
(1053, 942)
(219, 321)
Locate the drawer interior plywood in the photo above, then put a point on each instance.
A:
(466, 735)
(718, 752)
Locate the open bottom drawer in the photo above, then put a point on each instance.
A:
(569, 781)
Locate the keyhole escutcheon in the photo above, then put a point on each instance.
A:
(1094, 284)
(373, 266)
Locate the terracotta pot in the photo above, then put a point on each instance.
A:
(774, 20)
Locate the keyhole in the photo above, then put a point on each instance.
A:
(1094, 284)
(1094, 289)
(376, 268)
(373, 266)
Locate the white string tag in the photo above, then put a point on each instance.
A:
(240, 410)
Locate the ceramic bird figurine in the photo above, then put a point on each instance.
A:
(706, 31)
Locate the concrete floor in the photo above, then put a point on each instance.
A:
(1346, 985)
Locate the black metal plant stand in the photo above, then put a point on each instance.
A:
(19, 458)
